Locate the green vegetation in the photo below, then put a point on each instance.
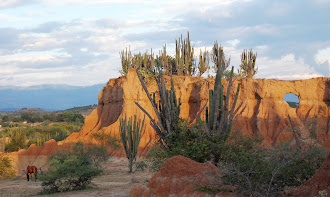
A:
(130, 135)
(79, 110)
(256, 170)
(6, 168)
(167, 111)
(30, 117)
(37, 128)
(204, 61)
(184, 63)
(247, 68)
(22, 136)
(73, 170)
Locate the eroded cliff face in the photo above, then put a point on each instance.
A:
(260, 109)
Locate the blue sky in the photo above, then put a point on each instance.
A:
(77, 42)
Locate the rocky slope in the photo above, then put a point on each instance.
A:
(181, 176)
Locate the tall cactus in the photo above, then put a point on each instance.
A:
(248, 61)
(167, 111)
(145, 61)
(130, 134)
(126, 60)
(219, 117)
(164, 61)
(216, 57)
(184, 56)
(204, 60)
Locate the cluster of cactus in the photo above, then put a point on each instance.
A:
(219, 117)
(248, 60)
(204, 61)
(130, 134)
(163, 57)
(184, 57)
(40, 139)
(219, 58)
(143, 61)
(167, 110)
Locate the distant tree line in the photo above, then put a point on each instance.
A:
(21, 136)
(31, 117)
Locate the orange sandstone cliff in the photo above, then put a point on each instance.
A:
(260, 108)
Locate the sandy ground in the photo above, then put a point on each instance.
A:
(116, 181)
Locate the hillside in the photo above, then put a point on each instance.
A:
(83, 110)
(48, 97)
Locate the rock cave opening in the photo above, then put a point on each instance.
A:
(292, 100)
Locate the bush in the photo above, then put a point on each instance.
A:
(259, 171)
(71, 170)
(190, 142)
(6, 168)
(17, 140)
(141, 166)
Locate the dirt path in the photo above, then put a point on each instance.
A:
(116, 181)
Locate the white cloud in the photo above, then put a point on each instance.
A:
(287, 67)
(84, 46)
(12, 18)
(323, 55)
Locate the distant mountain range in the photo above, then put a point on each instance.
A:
(59, 97)
(48, 97)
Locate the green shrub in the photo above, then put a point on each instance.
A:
(156, 157)
(141, 166)
(6, 168)
(260, 171)
(17, 140)
(190, 142)
(70, 170)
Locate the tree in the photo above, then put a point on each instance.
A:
(130, 134)
(248, 60)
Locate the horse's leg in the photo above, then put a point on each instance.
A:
(35, 176)
(27, 176)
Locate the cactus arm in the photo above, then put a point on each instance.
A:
(150, 99)
(224, 118)
(230, 123)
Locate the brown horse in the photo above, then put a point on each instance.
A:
(31, 170)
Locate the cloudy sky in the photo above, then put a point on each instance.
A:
(77, 42)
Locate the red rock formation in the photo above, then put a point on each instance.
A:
(260, 108)
(179, 177)
(319, 184)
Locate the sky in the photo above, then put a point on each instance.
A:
(77, 42)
